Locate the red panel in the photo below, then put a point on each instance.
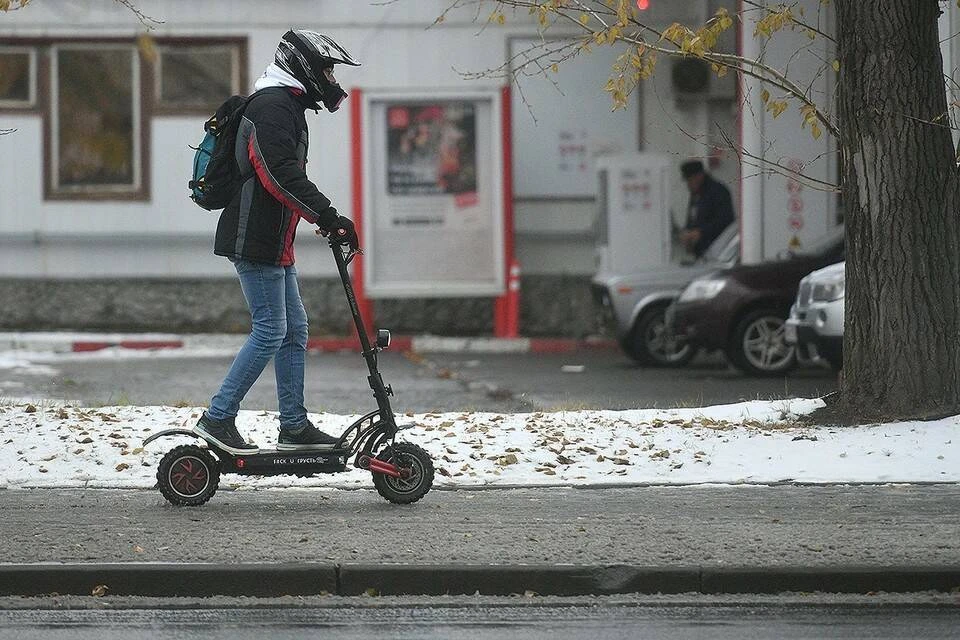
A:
(90, 346)
(152, 344)
(356, 164)
(505, 314)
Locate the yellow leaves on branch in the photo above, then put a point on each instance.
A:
(498, 17)
(542, 15)
(808, 112)
(644, 62)
(776, 107)
(9, 5)
(723, 19)
(703, 40)
(148, 48)
(776, 21)
(629, 70)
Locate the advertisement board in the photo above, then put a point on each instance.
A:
(433, 186)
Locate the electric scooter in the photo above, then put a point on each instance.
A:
(188, 475)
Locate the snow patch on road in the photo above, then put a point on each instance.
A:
(52, 445)
(24, 364)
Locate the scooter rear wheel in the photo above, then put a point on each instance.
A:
(188, 476)
(405, 490)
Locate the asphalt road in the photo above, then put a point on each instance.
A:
(812, 526)
(337, 383)
(479, 621)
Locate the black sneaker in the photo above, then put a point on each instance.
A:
(306, 437)
(224, 434)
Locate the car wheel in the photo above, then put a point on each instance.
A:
(652, 343)
(759, 346)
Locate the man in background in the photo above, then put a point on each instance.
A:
(710, 210)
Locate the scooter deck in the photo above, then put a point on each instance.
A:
(269, 462)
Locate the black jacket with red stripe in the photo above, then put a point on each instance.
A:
(260, 223)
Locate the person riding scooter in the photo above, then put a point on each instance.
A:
(256, 233)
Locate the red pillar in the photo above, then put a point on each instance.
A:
(506, 310)
(356, 167)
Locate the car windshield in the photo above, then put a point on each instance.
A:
(725, 247)
(824, 244)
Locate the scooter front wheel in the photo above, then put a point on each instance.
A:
(416, 484)
(188, 476)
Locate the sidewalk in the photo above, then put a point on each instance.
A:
(70, 342)
(548, 541)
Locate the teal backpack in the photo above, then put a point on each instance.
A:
(216, 176)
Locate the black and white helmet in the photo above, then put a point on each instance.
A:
(306, 55)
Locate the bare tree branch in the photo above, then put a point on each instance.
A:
(600, 22)
(799, 23)
(149, 22)
(768, 166)
(761, 163)
(745, 66)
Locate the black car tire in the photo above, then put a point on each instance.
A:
(637, 344)
(753, 327)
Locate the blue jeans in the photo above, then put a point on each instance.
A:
(279, 331)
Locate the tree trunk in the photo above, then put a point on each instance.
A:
(901, 191)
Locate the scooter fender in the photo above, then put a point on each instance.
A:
(171, 432)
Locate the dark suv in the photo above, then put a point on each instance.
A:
(743, 310)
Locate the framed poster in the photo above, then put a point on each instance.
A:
(433, 192)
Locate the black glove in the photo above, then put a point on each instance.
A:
(340, 226)
(327, 221)
(346, 233)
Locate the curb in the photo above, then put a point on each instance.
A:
(274, 580)
(168, 580)
(72, 343)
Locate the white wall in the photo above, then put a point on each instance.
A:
(780, 213)
(169, 236)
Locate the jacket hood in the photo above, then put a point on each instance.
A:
(274, 76)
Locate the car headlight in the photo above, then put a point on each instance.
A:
(704, 289)
(829, 290)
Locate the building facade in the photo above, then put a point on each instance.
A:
(96, 228)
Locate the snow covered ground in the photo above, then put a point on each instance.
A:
(753, 442)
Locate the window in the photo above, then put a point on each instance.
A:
(196, 78)
(95, 99)
(18, 85)
(95, 119)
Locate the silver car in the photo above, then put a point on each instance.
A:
(634, 304)
(816, 319)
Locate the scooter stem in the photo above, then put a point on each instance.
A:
(369, 353)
